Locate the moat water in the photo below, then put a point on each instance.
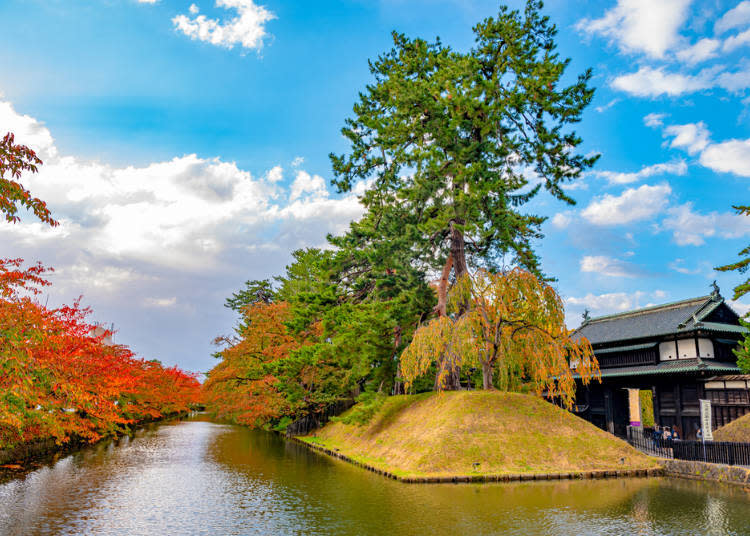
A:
(195, 477)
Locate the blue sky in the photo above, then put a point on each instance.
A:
(185, 147)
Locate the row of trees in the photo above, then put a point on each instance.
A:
(438, 284)
(60, 377)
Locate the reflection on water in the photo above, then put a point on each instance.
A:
(196, 477)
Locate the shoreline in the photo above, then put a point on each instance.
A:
(483, 478)
(31, 455)
(681, 469)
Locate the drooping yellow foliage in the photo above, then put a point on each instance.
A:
(514, 326)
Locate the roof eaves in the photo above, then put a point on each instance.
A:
(625, 348)
(664, 370)
(717, 326)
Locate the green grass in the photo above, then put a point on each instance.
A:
(446, 434)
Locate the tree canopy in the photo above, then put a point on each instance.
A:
(59, 379)
(452, 146)
(14, 160)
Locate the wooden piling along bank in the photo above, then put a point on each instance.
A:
(479, 478)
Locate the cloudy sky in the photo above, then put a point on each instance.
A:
(185, 147)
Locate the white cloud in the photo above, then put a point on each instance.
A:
(161, 302)
(562, 219)
(132, 238)
(603, 265)
(740, 308)
(183, 213)
(734, 18)
(692, 267)
(703, 50)
(194, 9)
(734, 42)
(653, 82)
(612, 302)
(607, 106)
(634, 204)
(247, 29)
(732, 156)
(616, 177)
(275, 174)
(654, 120)
(693, 137)
(736, 81)
(641, 25)
(304, 183)
(690, 228)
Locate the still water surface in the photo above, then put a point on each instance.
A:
(195, 477)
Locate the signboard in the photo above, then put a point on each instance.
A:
(706, 420)
(634, 399)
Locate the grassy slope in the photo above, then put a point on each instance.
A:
(438, 435)
(737, 430)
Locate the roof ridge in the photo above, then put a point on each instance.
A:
(653, 308)
(705, 309)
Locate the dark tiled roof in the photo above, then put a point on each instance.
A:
(671, 318)
(676, 366)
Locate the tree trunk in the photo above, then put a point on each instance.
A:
(441, 309)
(487, 376)
(458, 259)
(458, 249)
(398, 385)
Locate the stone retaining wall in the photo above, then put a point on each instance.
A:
(486, 478)
(732, 474)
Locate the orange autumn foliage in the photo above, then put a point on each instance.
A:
(241, 387)
(59, 380)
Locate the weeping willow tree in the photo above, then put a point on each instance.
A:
(514, 331)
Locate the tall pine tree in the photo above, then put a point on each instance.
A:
(455, 144)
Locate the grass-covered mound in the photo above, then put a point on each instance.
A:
(506, 433)
(737, 430)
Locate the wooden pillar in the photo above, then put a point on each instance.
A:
(609, 410)
(657, 409)
(678, 406)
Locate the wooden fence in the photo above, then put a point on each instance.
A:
(726, 452)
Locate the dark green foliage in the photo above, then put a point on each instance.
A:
(455, 143)
(743, 351)
(255, 291)
(741, 266)
(282, 424)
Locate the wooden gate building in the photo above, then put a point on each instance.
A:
(681, 352)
